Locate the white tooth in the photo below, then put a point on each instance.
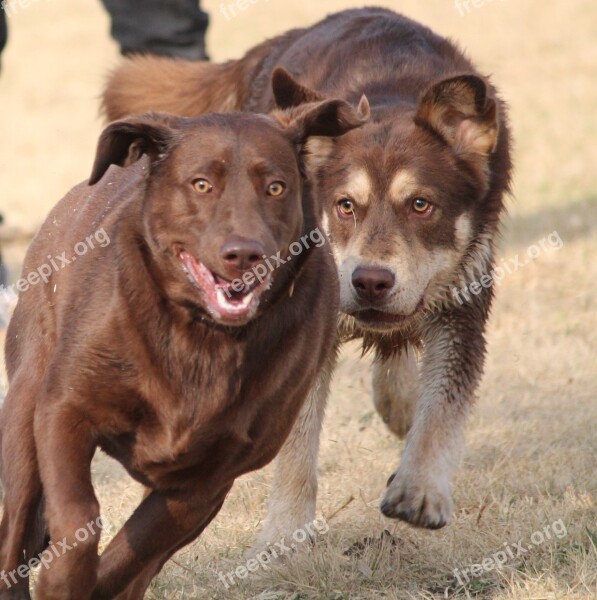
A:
(247, 299)
(228, 306)
(221, 298)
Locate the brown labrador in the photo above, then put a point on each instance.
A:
(162, 318)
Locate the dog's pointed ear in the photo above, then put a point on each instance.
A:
(328, 118)
(314, 126)
(364, 108)
(289, 93)
(124, 142)
(460, 110)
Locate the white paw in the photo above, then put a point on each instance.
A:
(419, 497)
(281, 530)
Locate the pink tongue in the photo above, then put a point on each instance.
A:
(206, 281)
(200, 272)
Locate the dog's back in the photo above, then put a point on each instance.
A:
(58, 255)
(382, 48)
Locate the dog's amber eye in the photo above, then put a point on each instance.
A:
(421, 206)
(275, 189)
(346, 207)
(202, 186)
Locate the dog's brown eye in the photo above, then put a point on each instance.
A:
(275, 189)
(202, 186)
(421, 206)
(346, 207)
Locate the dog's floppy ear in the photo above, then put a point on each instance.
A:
(461, 111)
(124, 142)
(289, 93)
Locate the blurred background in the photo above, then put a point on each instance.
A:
(532, 443)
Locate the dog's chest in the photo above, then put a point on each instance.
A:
(212, 429)
(225, 412)
(177, 431)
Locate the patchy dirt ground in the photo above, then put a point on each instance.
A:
(530, 466)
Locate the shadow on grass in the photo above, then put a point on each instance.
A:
(573, 220)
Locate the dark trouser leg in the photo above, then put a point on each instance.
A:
(3, 32)
(164, 27)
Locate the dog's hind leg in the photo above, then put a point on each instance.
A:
(294, 489)
(395, 390)
(22, 530)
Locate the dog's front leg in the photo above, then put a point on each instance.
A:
(420, 490)
(162, 524)
(22, 530)
(65, 446)
(294, 488)
(396, 389)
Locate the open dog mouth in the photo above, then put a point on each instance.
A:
(378, 317)
(222, 297)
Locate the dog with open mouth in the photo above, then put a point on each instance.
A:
(411, 203)
(149, 347)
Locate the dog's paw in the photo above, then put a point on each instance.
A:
(263, 543)
(421, 501)
(276, 538)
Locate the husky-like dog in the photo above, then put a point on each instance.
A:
(411, 202)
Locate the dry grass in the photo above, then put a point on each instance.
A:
(532, 444)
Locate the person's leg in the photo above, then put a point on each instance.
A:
(167, 28)
(3, 31)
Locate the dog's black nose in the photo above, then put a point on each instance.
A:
(241, 254)
(372, 283)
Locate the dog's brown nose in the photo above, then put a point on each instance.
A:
(241, 254)
(372, 283)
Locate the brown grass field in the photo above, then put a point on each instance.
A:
(531, 449)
